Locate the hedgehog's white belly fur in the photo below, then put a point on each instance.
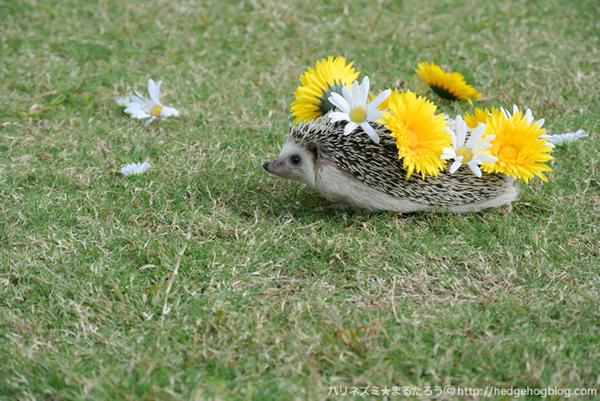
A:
(339, 186)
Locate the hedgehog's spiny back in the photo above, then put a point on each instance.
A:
(378, 166)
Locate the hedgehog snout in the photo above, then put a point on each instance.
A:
(280, 167)
(276, 167)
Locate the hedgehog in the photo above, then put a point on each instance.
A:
(353, 171)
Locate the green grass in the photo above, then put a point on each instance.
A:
(273, 294)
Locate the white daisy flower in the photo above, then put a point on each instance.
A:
(558, 139)
(355, 109)
(469, 151)
(135, 168)
(150, 109)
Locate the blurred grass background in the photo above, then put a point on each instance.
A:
(271, 293)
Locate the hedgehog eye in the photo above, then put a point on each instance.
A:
(295, 159)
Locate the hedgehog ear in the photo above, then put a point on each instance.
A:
(313, 148)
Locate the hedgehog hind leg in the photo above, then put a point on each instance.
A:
(506, 196)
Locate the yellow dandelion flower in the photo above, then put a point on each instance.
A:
(420, 134)
(311, 99)
(519, 145)
(449, 85)
(479, 116)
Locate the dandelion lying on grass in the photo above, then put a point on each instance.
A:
(148, 109)
(448, 85)
(135, 169)
(356, 110)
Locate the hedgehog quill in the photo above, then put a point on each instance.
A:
(354, 171)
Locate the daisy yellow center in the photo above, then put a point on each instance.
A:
(465, 153)
(358, 115)
(508, 152)
(155, 112)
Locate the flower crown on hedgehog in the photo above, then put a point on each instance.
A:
(493, 141)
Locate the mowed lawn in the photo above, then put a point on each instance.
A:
(208, 279)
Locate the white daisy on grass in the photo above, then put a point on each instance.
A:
(149, 109)
(559, 139)
(135, 169)
(355, 109)
(471, 151)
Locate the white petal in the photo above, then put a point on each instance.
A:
(336, 116)
(370, 131)
(338, 101)
(123, 101)
(484, 158)
(154, 90)
(146, 104)
(364, 90)
(461, 132)
(540, 122)
(380, 99)
(558, 139)
(457, 163)
(475, 169)
(135, 168)
(151, 86)
(373, 114)
(450, 132)
(136, 111)
(515, 109)
(132, 107)
(528, 116)
(448, 153)
(488, 139)
(482, 144)
(158, 84)
(355, 95)
(167, 112)
(349, 128)
(476, 135)
(137, 98)
(480, 147)
(347, 93)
